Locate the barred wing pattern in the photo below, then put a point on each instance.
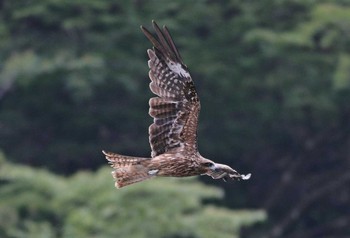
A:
(176, 109)
(173, 134)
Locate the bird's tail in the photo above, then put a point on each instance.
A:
(127, 169)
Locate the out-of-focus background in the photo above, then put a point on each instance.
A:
(274, 81)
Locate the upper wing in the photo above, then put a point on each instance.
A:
(176, 109)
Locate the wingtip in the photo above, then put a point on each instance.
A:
(153, 23)
(143, 29)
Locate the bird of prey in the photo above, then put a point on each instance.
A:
(173, 134)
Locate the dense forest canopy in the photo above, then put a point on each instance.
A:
(274, 81)
(35, 203)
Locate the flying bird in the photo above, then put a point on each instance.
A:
(173, 134)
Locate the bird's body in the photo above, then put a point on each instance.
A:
(173, 134)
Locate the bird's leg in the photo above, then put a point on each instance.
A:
(236, 176)
(218, 171)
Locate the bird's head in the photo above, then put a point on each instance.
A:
(218, 171)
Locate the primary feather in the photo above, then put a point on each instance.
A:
(175, 112)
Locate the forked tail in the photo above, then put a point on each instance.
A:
(127, 169)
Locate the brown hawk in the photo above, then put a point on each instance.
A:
(173, 134)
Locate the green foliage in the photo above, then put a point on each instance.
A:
(342, 73)
(272, 75)
(35, 203)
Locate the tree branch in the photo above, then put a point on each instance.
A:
(296, 211)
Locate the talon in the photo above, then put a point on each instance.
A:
(246, 177)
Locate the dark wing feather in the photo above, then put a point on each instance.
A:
(176, 109)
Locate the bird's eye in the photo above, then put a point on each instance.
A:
(208, 164)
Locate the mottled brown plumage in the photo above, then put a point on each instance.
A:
(173, 134)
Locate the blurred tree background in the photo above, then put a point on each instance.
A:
(274, 81)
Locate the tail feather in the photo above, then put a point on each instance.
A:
(128, 169)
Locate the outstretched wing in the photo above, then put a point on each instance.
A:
(176, 109)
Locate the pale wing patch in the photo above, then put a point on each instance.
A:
(178, 69)
(175, 110)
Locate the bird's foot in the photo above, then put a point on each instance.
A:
(246, 177)
(236, 176)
